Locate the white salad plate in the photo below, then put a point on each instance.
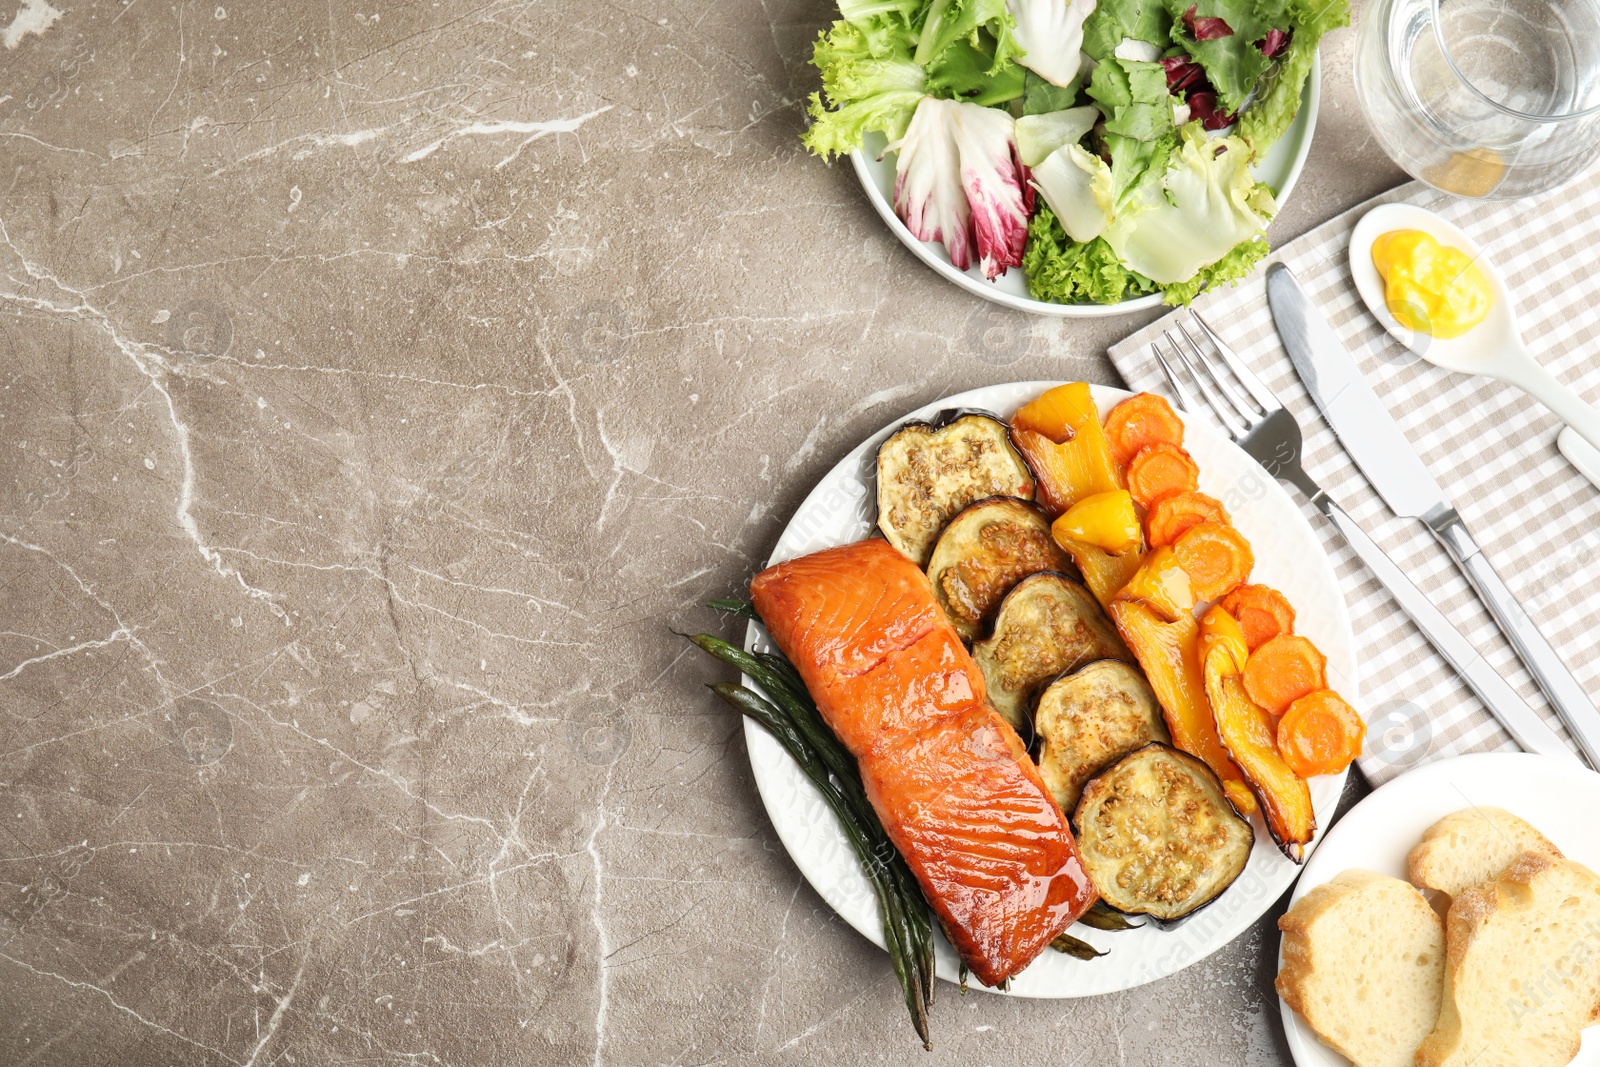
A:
(875, 169)
(1558, 799)
(842, 508)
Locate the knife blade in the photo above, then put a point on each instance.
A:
(1359, 419)
(1381, 449)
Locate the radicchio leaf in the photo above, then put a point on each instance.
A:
(1203, 28)
(1203, 106)
(927, 181)
(1183, 74)
(958, 181)
(985, 139)
(1273, 44)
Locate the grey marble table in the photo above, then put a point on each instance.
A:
(377, 386)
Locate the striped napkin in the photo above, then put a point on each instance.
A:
(1492, 448)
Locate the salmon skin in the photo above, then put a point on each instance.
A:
(949, 778)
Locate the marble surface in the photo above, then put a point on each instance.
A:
(377, 386)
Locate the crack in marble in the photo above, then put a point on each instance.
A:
(121, 634)
(278, 1012)
(153, 366)
(91, 987)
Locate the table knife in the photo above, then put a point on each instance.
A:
(1384, 454)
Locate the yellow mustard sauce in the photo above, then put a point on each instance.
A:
(1429, 287)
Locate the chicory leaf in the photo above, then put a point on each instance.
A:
(957, 181)
(986, 144)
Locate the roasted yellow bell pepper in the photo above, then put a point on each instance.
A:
(1161, 584)
(1103, 572)
(1060, 435)
(1169, 652)
(1248, 734)
(1106, 520)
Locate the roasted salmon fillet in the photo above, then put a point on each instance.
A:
(949, 778)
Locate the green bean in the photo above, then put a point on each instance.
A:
(1102, 916)
(1075, 948)
(899, 936)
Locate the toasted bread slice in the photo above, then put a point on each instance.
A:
(1363, 964)
(1522, 968)
(1473, 846)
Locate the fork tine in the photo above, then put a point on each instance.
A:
(1239, 403)
(1218, 408)
(1181, 391)
(1265, 397)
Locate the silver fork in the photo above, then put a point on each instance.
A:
(1269, 434)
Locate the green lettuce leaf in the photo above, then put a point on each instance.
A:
(1069, 272)
(1234, 63)
(944, 22)
(1138, 131)
(1039, 97)
(1115, 20)
(1133, 98)
(1265, 120)
(1237, 264)
(872, 82)
(967, 71)
(1206, 204)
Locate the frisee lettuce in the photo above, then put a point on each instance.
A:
(1069, 272)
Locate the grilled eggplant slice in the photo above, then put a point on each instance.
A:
(1158, 836)
(1046, 625)
(1089, 718)
(984, 552)
(928, 471)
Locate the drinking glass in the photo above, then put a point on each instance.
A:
(1483, 98)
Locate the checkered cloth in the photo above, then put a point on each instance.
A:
(1492, 448)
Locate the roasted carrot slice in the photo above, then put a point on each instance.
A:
(1283, 670)
(1262, 611)
(1140, 421)
(1170, 516)
(1216, 558)
(1160, 470)
(1320, 734)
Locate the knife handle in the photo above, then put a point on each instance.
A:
(1520, 720)
(1565, 694)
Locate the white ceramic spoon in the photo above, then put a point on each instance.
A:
(1493, 347)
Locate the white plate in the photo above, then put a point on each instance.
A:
(1557, 798)
(842, 508)
(1280, 170)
